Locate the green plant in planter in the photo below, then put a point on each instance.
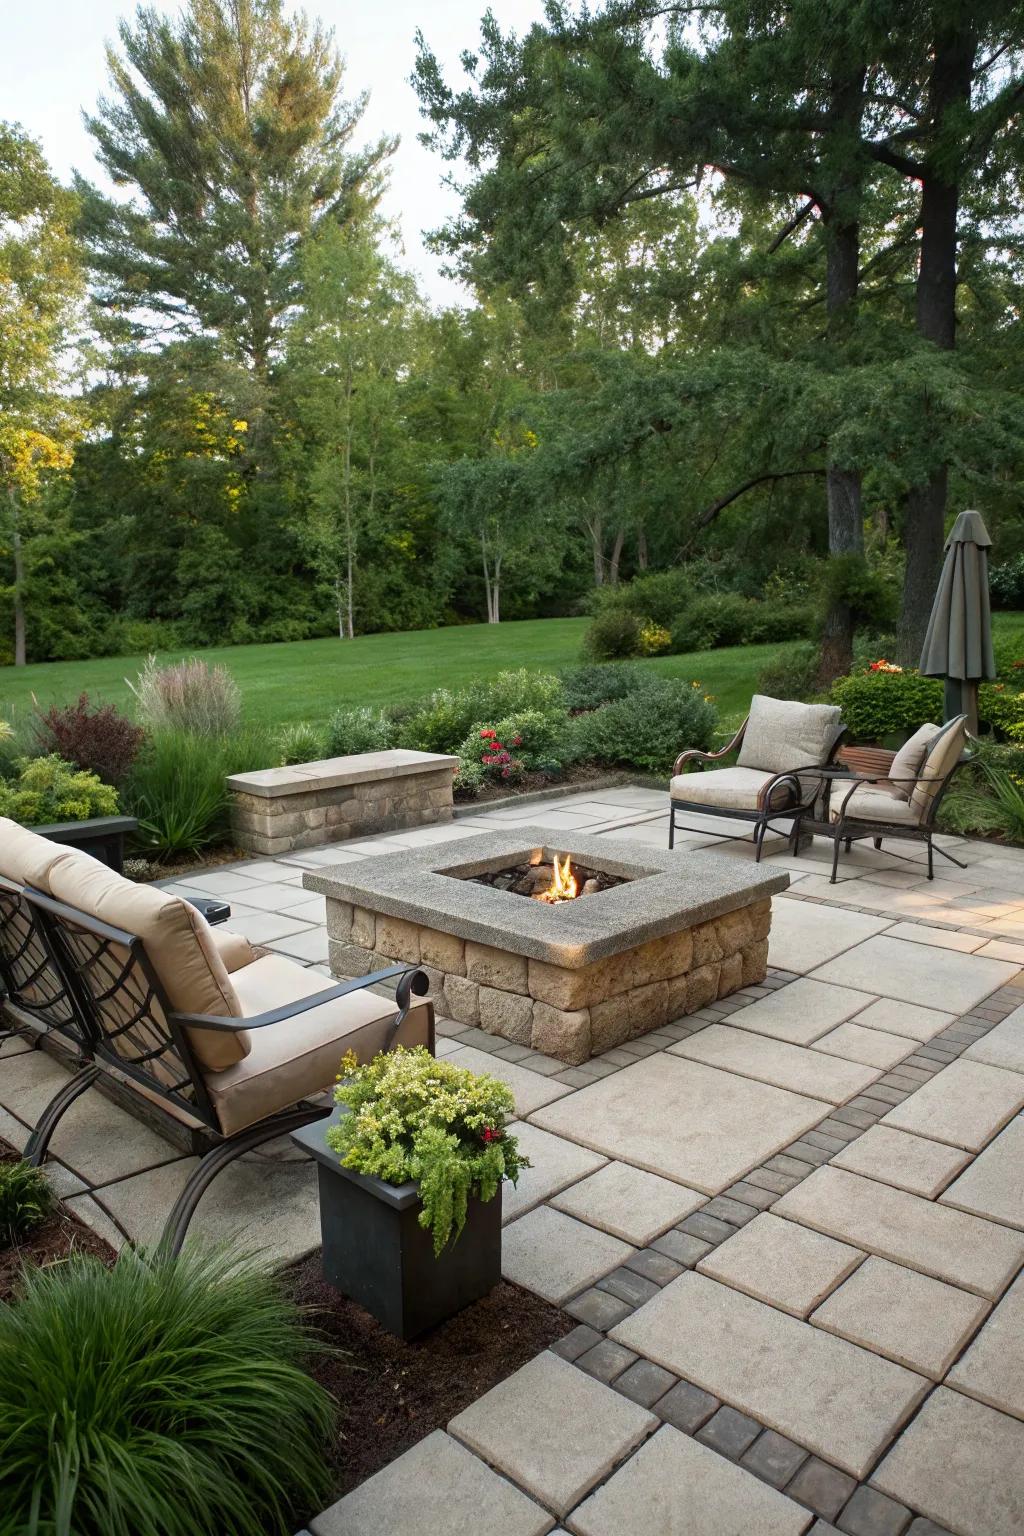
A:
(50, 790)
(165, 1397)
(26, 1200)
(412, 1118)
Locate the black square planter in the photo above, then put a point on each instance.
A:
(376, 1253)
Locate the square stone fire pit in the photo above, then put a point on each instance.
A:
(571, 978)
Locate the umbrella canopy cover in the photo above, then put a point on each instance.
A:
(958, 643)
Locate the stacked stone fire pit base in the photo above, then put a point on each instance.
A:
(571, 979)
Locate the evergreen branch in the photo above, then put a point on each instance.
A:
(711, 512)
(792, 225)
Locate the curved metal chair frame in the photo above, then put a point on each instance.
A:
(798, 798)
(30, 980)
(132, 1030)
(846, 830)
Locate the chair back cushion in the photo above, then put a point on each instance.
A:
(782, 734)
(942, 757)
(177, 941)
(910, 758)
(25, 857)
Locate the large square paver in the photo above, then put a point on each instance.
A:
(917, 973)
(962, 1465)
(805, 935)
(102, 1142)
(918, 1322)
(436, 1486)
(684, 1120)
(553, 1429)
(776, 1062)
(1002, 1046)
(554, 1164)
(921, 1024)
(782, 1263)
(801, 1012)
(674, 1486)
(531, 1089)
(992, 1369)
(831, 1397)
(964, 1105)
(907, 1162)
(993, 1186)
(628, 1202)
(871, 1047)
(948, 1245)
(555, 1256)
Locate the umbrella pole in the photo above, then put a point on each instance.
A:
(961, 698)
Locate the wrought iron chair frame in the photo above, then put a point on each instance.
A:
(27, 965)
(762, 817)
(846, 830)
(79, 944)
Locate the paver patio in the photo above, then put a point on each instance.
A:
(790, 1226)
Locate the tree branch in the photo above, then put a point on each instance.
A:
(711, 512)
(792, 225)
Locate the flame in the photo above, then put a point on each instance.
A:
(563, 882)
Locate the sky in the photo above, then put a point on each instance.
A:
(52, 65)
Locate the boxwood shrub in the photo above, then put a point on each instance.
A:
(878, 705)
(649, 728)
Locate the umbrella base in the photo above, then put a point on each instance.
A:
(961, 698)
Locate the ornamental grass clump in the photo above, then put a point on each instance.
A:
(165, 1397)
(26, 1199)
(412, 1118)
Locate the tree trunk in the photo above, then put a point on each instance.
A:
(616, 556)
(596, 531)
(925, 510)
(19, 582)
(641, 548)
(843, 486)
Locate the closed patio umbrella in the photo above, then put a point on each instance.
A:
(958, 645)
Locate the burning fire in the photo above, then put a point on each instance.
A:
(563, 882)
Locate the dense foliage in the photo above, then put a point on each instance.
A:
(411, 1117)
(139, 1401)
(98, 739)
(47, 789)
(26, 1199)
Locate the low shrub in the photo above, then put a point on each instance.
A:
(793, 674)
(412, 1117)
(358, 730)
(178, 788)
(768, 623)
(654, 639)
(1006, 583)
(879, 704)
(160, 1398)
(657, 596)
(502, 751)
(613, 635)
(26, 1199)
(50, 790)
(188, 696)
(301, 743)
(1001, 710)
(589, 687)
(441, 722)
(648, 729)
(99, 740)
(719, 618)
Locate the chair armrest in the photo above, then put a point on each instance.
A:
(694, 755)
(412, 980)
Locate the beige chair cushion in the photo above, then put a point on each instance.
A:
(910, 758)
(782, 734)
(871, 802)
(943, 754)
(178, 941)
(25, 857)
(300, 1057)
(734, 789)
(234, 949)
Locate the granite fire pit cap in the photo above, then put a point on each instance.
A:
(665, 892)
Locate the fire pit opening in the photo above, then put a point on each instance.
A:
(550, 877)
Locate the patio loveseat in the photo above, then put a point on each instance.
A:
(227, 1040)
(782, 748)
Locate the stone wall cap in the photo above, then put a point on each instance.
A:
(670, 891)
(334, 772)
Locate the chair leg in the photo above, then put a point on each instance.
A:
(215, 1161)
(931, 867)
(835, 857)
(958, 862)
(878, 842)
(35, 1147)
(671, 825)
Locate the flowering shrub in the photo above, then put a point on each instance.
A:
(653, 639)
(413, 1118)
(496, 758)
(439, 723)
(49, 789)
(100, 740)
(881, 665)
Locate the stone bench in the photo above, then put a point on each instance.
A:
(278, 809)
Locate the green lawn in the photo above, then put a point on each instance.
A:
(308, 679)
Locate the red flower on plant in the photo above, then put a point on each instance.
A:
(488, 733)
(489, 1134)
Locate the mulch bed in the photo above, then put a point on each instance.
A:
(390, 1394)
(59, 1236)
